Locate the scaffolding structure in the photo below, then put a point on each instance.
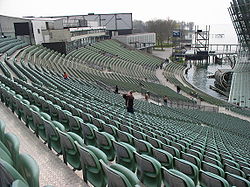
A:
(201, 39)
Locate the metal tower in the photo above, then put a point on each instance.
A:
(240, 87)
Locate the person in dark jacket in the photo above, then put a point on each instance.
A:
(129, 101)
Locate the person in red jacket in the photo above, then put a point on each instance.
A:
(65, 76)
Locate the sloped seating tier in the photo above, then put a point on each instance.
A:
(58, 63)
(209, 145)
(16, 169)
(83, 112)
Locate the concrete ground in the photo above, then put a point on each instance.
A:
(52, 169)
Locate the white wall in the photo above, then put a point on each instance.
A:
(38, 26)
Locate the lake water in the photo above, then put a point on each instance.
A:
(197, 76)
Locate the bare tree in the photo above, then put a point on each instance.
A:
(139, 26)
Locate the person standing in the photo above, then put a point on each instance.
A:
(116, 89)
(129, 101)
(65, 76)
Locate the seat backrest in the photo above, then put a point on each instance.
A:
(235, 180)
(208, 179)
(8, 174)
(164, 157)
(206, 166)
(174, 178)
(172, 150)
(13, 144)
(29, 169)
(143, 147)
(102, 139)
(187, 168)
(234, 170)
(121, 151)
(91, 167)
(191, 158)
(125, 137)
(2, 129)
(115, 178)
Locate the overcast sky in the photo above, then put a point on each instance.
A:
(198, 11)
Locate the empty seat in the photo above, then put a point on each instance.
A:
(125, 137)
(154, 142)
(235, 180)
(29, 169)
(52, 134)
(69, 150)
(148, 170)
(164, 157)
(234, 170)
(2, 129)
(13, 144)
(212, 160)
(119, 175)
(172, 150)
(104, 142)
(74, 124)
(125, 155)
(143, 147)
(88, 133)
(174, 178)
(191, 158)
(91, 167)
(112, 130)
(187, 168)
(98, 123)
(206, 166)
(208, 179)
(9, 174)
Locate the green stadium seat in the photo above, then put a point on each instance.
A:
(13, 144)
(191, 158)
(91, 167)
(69, 149)
(148, 170)
(206, 166)
(143, 147)
(125, 155)
(29, 169)
(175, 178)
(2, 129)
(119, 175)
(9, 174)
(88, 133)
(52, 135)
(164, 157)
(75, 124)
(208, 179)
(172, 150)
(187, 168)
(235, 180)
(104, 142)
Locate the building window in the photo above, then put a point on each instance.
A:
(38, 30)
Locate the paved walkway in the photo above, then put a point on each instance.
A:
(159, 74)
(52, 169)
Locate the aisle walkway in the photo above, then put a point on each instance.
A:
(159, 74)
(52, 169)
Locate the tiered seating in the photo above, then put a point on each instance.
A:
(209, 151)
(113, 56)
(16, 169)
(10, 46)
(111, 78)
(89, 127)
